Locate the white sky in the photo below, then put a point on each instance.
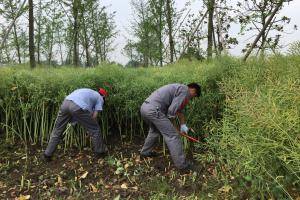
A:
(124, 16)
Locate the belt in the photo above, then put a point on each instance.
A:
(157, 108)
(157, 105)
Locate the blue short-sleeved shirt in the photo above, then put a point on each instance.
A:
(87, 99)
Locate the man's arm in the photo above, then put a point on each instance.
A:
(173, 121)
(181, 121)
(94, 115)
(183, 126)
(181, 118)
(98, 107)
(180, 95)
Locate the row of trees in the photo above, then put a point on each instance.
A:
(81, 32)
(77, 32)
(163, 34)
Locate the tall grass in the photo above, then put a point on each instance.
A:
(31, 98)
(260, 129)
(250, 110)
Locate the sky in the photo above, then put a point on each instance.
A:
(124, 16)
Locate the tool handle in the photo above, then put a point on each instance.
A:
(189, 137)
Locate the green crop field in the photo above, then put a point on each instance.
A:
(249, 114)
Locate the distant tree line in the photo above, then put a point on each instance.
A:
(164, 34)
(75, 32)
(82, 32)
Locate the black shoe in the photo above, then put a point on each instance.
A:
(47, 158)
(101, 155)
(190, 167)
(151, 154)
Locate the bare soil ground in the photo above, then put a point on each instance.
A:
(75, 174)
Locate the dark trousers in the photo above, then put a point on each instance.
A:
(68, 111)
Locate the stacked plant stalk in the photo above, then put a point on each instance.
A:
(30, 99)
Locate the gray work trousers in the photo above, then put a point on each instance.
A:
(160, 124)
(68, 111)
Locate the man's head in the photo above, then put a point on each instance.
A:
(194, 89)
(103, 92)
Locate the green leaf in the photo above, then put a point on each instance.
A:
(117, 197)
(248, 178)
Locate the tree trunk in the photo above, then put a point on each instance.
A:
(16, 36)
(75, 32)
(263, 30)
(10, 26)
(221, 43)
(104, 50)
(101, 50)
(31, 34)
(147, 53)
(8, 60)
(96, 38)
(39, 34)
(50, 51)
(192, 34)
(86, 43)
(17, 43)
(60, 48)
(39, 44)
(264, 35)
(170, 29)
(263, 41)
(210, 28)
(69, 56)
(215, 43)
(160, 37)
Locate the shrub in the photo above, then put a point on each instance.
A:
(294, 48)
(260, 126)
(251, 111)
(31, 98)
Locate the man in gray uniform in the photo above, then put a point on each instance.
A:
(162, 105)
(81, 106)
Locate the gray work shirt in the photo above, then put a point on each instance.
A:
(169, 98)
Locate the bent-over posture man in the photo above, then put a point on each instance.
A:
(80, 106)
(162, 105)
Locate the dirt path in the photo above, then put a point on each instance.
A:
(76, 174)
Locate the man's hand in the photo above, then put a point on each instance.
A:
(184, 128)
(94, 115)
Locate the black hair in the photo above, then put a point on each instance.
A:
(104, 100)
(197, 87)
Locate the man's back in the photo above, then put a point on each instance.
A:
(164, 96)
(87, 99)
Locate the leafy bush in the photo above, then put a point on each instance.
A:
(294, 48)
(31, 98)
(259, 134)
(250, 110)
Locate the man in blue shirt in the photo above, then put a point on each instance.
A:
(81, 106)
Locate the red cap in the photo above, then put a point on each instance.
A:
(103, 92)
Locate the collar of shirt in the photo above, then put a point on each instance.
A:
(184, 103)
